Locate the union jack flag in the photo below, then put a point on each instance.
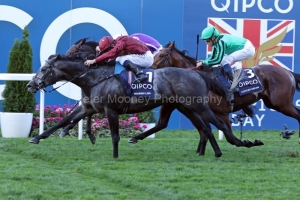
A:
(273, 39)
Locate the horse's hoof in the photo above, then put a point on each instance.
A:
(258, 143)
(248, 143)
(92, 139)
(132, 140)
(63, 134)
(34, 141)
(218, 155)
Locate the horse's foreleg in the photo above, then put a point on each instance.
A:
(164, 116)
(77, 114)
(66, 130)
(113, 120)
(88, 129)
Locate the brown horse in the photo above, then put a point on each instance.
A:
(278, 85)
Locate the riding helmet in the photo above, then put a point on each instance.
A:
(209, 32)
(105, 43)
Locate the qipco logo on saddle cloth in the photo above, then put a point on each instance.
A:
(250, 83)
(144, 89)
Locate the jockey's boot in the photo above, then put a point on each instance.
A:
(226, 85)
(229, 74)
(228, 71)
(139, 76)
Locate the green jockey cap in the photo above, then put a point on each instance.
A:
(209, 32)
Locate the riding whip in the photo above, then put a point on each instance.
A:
(197, 46)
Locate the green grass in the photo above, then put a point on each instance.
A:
(166, 167)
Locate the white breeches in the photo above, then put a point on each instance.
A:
(243, 54)
(142, 60)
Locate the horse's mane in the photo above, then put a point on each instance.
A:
(74, 57)
(183, 53)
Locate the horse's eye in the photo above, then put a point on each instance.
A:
(161, 55)
(43, 69)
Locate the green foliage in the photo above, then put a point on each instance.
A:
(146, 117)
(16, 97)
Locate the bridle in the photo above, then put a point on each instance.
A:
(41, 84)
(49, 71)
(166, 60)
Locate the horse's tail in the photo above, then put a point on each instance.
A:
(212, 85)
(297, 79)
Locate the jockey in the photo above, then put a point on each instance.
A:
(226, 49)
(129, 52)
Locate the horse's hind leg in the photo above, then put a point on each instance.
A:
(209, 116)
(204, 139)
(164, 116)
(202, 143)
(113, 120)
(202, 127)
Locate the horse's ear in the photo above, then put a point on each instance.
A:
(58, 57)
(172, 45)
(83, 41)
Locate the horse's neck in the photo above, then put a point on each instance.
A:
(89, 77)
(88, 50)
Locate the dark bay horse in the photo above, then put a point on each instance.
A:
(89, 47)
(278, 85)
(106, 94)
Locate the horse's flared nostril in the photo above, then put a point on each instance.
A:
(28, 86)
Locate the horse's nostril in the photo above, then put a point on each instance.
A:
(28, 86)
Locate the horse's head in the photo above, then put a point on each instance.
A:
(43, 76)
(170, 56)
(53, 70)
(83, 46)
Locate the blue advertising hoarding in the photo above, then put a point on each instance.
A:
(55, 26)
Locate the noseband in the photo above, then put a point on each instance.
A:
(41, 84)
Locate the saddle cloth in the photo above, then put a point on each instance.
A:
(144, 89)
(249, 83)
